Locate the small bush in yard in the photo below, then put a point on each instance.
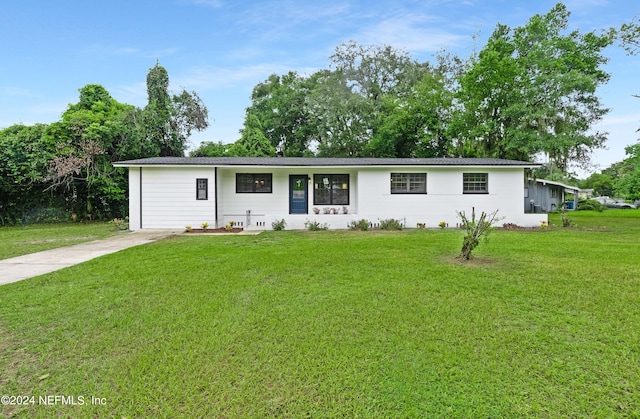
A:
(476, 229)
(590, 205)
(279, 225)
(315, 225)
(390, 224)
(363, 225)
(120, 223)
(566, 221)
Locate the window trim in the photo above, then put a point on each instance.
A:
(330, 176)
(254, 177)
(408, 191)
(476, 192)
(206, 189)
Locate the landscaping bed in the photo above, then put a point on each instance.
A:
(214, 230)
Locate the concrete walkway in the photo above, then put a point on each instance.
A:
(34, 264)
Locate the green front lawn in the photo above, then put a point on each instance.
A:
(337, 324)
(22, 240)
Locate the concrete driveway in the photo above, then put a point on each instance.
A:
(34, 264)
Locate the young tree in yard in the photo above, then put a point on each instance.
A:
(532, 89)
(475, 230)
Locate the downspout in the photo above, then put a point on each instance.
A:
(140, 194)
(215, 193)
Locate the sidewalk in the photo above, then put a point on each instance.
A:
(34, 264)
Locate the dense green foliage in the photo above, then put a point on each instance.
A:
(337, 324)
(530, 90)
(48, 173)
(621, 179)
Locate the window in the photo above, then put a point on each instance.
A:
(202, 189)
(331, 190)
(408, 183)
(554, 192)
(253, 183)
(475, 183)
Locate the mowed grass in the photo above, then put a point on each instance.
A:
(22, 240)
(337, 324)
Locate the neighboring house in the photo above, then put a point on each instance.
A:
(585, 194)
(541, 195)
(173, 192)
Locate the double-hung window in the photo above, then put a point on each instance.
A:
(202, 189)
(408, 183)
(475, 183)
(331, 190)
(253, 182)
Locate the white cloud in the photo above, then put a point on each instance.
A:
(134, 94)
(618, 120)
(216, 4)
(218, 78)
(414, 33)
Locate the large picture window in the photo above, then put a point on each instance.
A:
(202, 189)
(408, 183)
(331, 190)
(475, 183)
(253, 183)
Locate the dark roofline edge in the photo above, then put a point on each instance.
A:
(320, 161)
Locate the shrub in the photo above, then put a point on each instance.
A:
(590, 205)
(476, 229)
(363, 225)
(315, 225)
(279, 225)
(566, 221)
(120, 223)
(390, 224)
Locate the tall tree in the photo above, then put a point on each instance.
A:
(279, 105)
(629, 35)
(252, 142)
(415, 125)
(343, 120)
(532, 89)
(211, 149)
(167, 121)
(627, 185)
(88, 139)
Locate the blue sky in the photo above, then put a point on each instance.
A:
(223, 48)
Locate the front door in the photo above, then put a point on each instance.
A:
(298, 201)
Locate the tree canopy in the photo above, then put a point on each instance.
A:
(51, 171)
(530, 90)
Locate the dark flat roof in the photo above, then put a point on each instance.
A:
(319, 161)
